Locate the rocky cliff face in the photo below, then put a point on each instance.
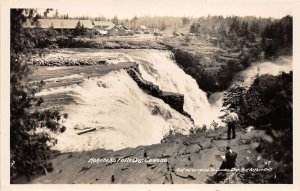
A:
(175, 100)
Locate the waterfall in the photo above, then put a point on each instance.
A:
(126, 116)
(159, 68)
(122, 113)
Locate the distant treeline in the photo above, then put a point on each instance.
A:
(245, 32)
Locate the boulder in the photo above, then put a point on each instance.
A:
(195, 148)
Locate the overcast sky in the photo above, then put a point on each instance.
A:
(195, 8)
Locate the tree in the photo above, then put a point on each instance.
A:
(163, 26)
(79, 30)
(185, 21)
(46, 12)
(134, 21)
(76, 31)
(29, 149)
(83, 30)
(66, 16)
(235, 26)
(255, 27)
(278, 36)
(222, 31)
(244, 29)
(115, 20)
(195, 28)
(56, 14)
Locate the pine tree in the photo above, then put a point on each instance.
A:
(77, 30)
(115, 20)
(29, 149)
(185, 21)
(163, 26)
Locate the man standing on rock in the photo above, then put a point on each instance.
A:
(231, 120)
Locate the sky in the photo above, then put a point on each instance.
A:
(189, 8)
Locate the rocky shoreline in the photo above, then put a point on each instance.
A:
(170, 162)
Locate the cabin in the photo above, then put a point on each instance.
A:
(102, 25)
(143, 29)
(62, 25)
(117, 30)
(109, 28)
(122, 27)
(114, 30)
(88, 24)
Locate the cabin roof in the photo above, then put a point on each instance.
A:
(61, 23)
(103, 23)
(143, 27)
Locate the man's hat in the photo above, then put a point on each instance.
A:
(228, 147)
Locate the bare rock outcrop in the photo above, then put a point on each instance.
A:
(175, 100)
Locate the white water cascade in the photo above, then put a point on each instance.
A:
(124, 115)
(159, 68)
(121, 113)
(246, 77)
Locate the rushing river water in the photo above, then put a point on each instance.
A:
(126, 116)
